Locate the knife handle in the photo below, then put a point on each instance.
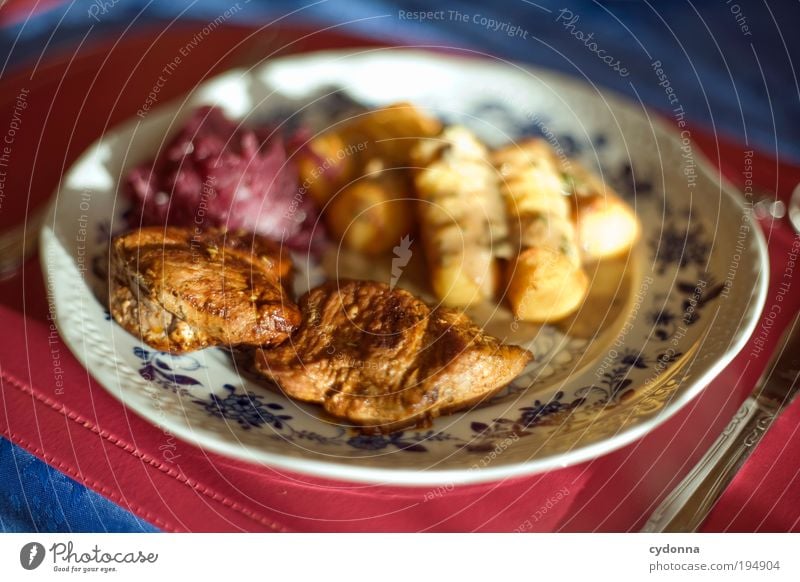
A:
(687, 506)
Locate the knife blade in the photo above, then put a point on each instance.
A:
(687, 506)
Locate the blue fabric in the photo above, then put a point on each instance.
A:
(729, 62)
(37, 497)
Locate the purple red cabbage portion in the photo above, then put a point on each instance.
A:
(218, 173)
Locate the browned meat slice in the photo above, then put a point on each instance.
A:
(383, 359)
(181, 290)
(156, 326)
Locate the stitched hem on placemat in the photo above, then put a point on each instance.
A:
(129, 448)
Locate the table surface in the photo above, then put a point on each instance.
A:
(737, 85)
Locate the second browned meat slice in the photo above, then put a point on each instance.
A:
(181, 290)
(382, 359)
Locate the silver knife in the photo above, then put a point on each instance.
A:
(687, 506)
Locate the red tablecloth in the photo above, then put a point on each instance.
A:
(88, 435)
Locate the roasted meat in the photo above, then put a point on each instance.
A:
(180, 290)
(382, 359)
(153, 324)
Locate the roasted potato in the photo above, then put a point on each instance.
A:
(390, 133)
(607, 227)
(334, 158)
(372, 214)
(324, 164)
(545, 285)
(461, 216)
(545, 280)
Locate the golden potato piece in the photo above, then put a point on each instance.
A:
(371, 215)
(466, 279)
(325, 164)
(606, 226)
(545, 280)
(391, 132)
(545, 285)
(334, 158)
(461, 216)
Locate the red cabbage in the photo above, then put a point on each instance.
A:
(218, 173)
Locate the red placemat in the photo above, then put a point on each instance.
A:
(87, 434)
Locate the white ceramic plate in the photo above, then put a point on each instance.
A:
(658, 326)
